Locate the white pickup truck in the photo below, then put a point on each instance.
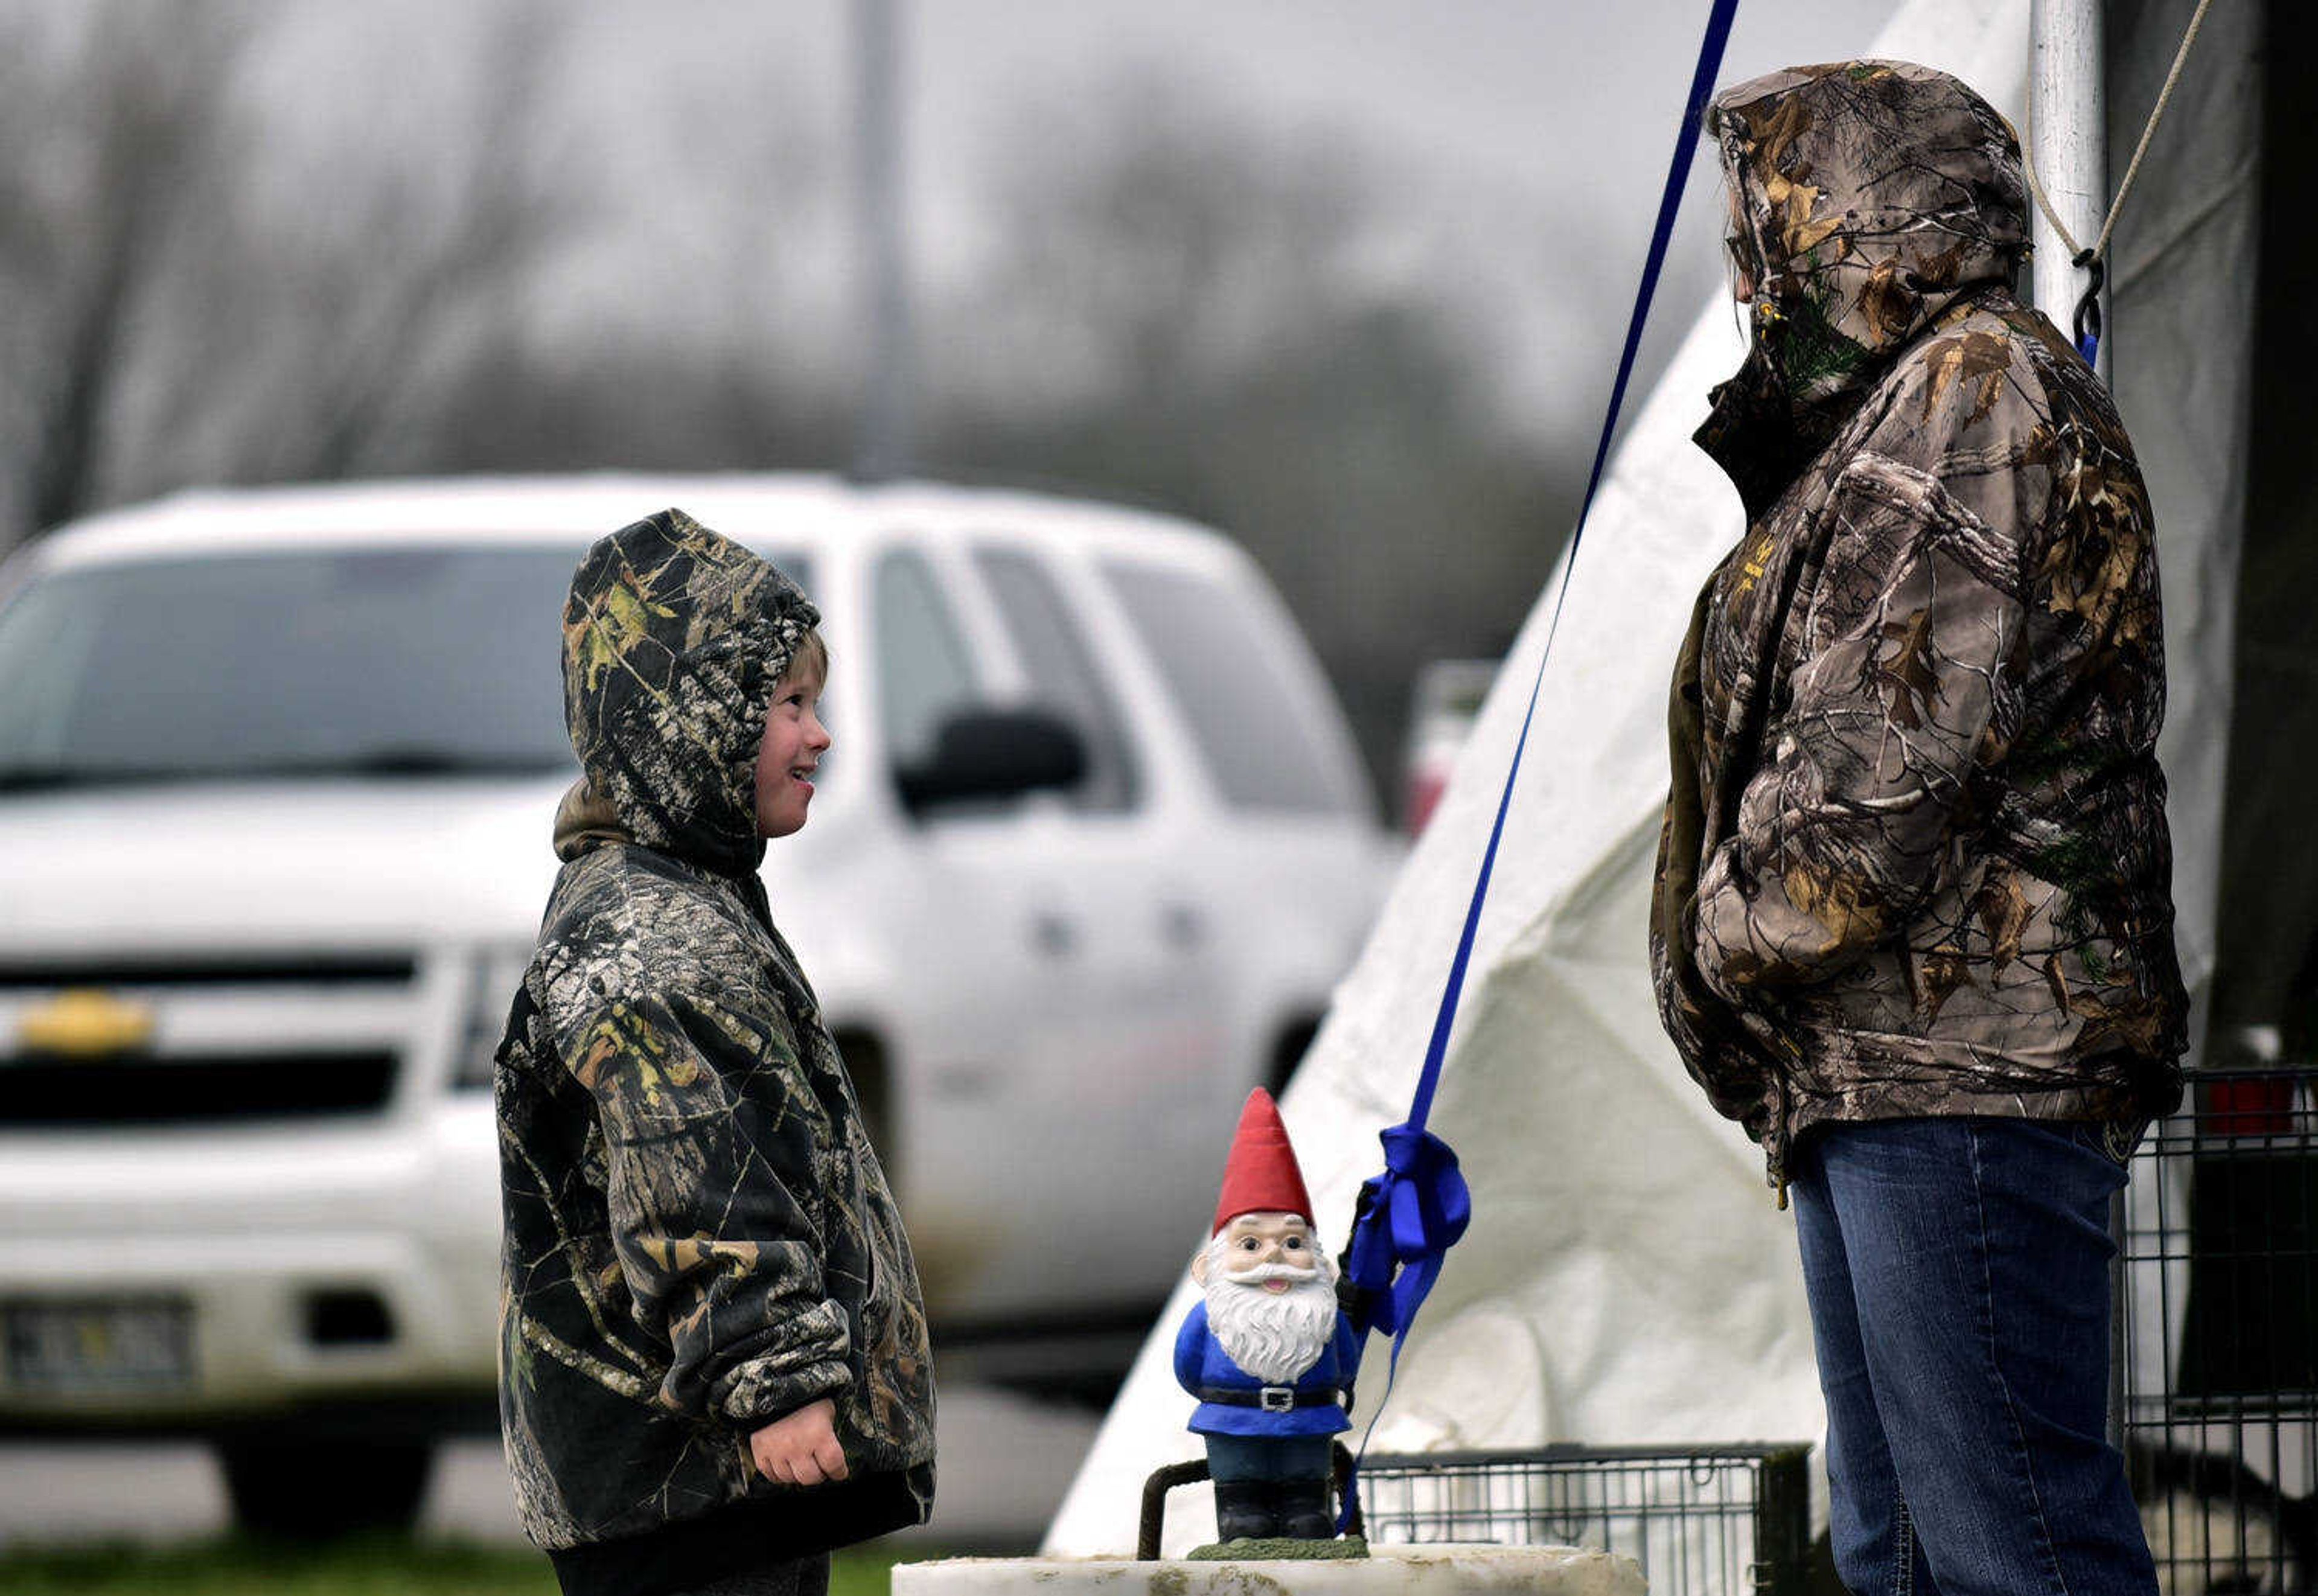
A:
(276, 774)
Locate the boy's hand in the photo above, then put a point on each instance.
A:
(802, 1449)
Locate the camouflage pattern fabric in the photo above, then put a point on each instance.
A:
(698, 1237)
(1914, 857)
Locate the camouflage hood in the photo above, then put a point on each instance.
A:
(1873, 195)
(673, 639)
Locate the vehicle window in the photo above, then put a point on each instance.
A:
(924, 669)
(1210, 643)
(362, 661)
(1063, 675)
(443, 659)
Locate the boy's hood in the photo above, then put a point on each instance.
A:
(1875, 194)
(673, 640)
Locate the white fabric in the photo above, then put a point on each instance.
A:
(1627, 1278)
(2181, 320)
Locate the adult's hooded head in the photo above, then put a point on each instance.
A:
(1868, 197)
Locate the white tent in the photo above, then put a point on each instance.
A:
(1627, 1278)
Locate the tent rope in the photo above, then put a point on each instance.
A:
(2093, 259)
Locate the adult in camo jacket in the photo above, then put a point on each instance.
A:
(1915, 858)
(698, 1238)
(1914, 878)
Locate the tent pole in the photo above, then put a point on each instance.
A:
(2068, 119)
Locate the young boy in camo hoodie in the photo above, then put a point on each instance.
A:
(713, 1362)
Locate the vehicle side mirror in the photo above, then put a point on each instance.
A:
(982, 754)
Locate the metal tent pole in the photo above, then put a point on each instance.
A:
(2067, 121)
(2069, 129)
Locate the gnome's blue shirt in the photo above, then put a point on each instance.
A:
(1202, 1365)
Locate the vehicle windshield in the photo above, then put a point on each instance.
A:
(432, 660)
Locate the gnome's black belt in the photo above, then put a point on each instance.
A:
(1272, 1399)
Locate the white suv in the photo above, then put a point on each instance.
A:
(276, 774)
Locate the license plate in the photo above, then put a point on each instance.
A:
(99, 1347)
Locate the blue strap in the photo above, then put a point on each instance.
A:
(1410, 1215)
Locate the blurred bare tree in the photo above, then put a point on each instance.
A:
(312, 339)
(170, 325)
(709, 333)
(110, 114)
(1186, 313)
(242, 241)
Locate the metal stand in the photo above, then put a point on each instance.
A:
(1150, 1531)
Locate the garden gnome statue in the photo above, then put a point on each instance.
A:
(1267, 1354)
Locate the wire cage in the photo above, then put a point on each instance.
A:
(1700, 1521)
(2218, 1333)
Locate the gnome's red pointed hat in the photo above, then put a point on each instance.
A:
(1262, 1176)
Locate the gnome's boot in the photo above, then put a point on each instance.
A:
(1304, 1510)
(1243, 1511)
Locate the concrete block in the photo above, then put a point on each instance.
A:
(1392, 1571)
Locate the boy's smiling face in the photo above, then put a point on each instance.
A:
(794, 742)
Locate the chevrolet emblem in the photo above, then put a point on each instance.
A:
(84, 1023)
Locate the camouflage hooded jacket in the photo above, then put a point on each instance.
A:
(1915, 858)
(698, 1237)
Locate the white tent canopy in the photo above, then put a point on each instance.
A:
(1627, 1278)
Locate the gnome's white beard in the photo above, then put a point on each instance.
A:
(1274, 1336)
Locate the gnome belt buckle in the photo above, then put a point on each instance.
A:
(1276, 1399)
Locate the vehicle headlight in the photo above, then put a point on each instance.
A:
(493, 974)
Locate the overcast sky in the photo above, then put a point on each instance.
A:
(1520, 143)
(1517, 112)
(1540, 95)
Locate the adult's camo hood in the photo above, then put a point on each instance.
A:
(1871, 196)
(673, 639)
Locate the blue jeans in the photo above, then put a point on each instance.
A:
(1958, 1276)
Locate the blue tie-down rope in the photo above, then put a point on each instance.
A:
(1409, 1217)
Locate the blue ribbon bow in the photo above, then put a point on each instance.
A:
(1409, 1217)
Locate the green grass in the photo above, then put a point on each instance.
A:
(371, 1567)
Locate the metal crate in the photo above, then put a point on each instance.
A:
(2218, 1333)
(1700, 1520)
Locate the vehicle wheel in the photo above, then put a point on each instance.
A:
(315, 1491)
